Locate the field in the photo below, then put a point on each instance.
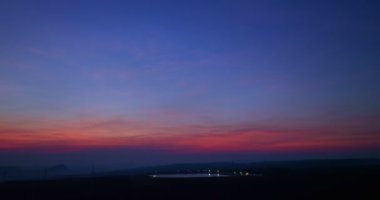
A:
(276, 183)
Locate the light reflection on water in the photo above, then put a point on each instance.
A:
(198, 175)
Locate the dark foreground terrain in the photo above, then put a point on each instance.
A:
(276, 183)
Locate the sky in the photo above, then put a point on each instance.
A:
(133, 83)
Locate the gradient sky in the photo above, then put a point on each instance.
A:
(124, 83)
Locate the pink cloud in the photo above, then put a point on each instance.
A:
(95, 133)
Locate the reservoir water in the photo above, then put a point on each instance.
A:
(195, 175)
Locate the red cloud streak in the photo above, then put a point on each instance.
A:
(50, 135)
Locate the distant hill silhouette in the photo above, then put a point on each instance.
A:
(57, 171)
(230, 166)
(18, 173)
(307, 179)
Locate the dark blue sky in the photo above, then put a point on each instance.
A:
(218, 77)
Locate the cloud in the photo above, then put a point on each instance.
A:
(114, 133)
(7, 89)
